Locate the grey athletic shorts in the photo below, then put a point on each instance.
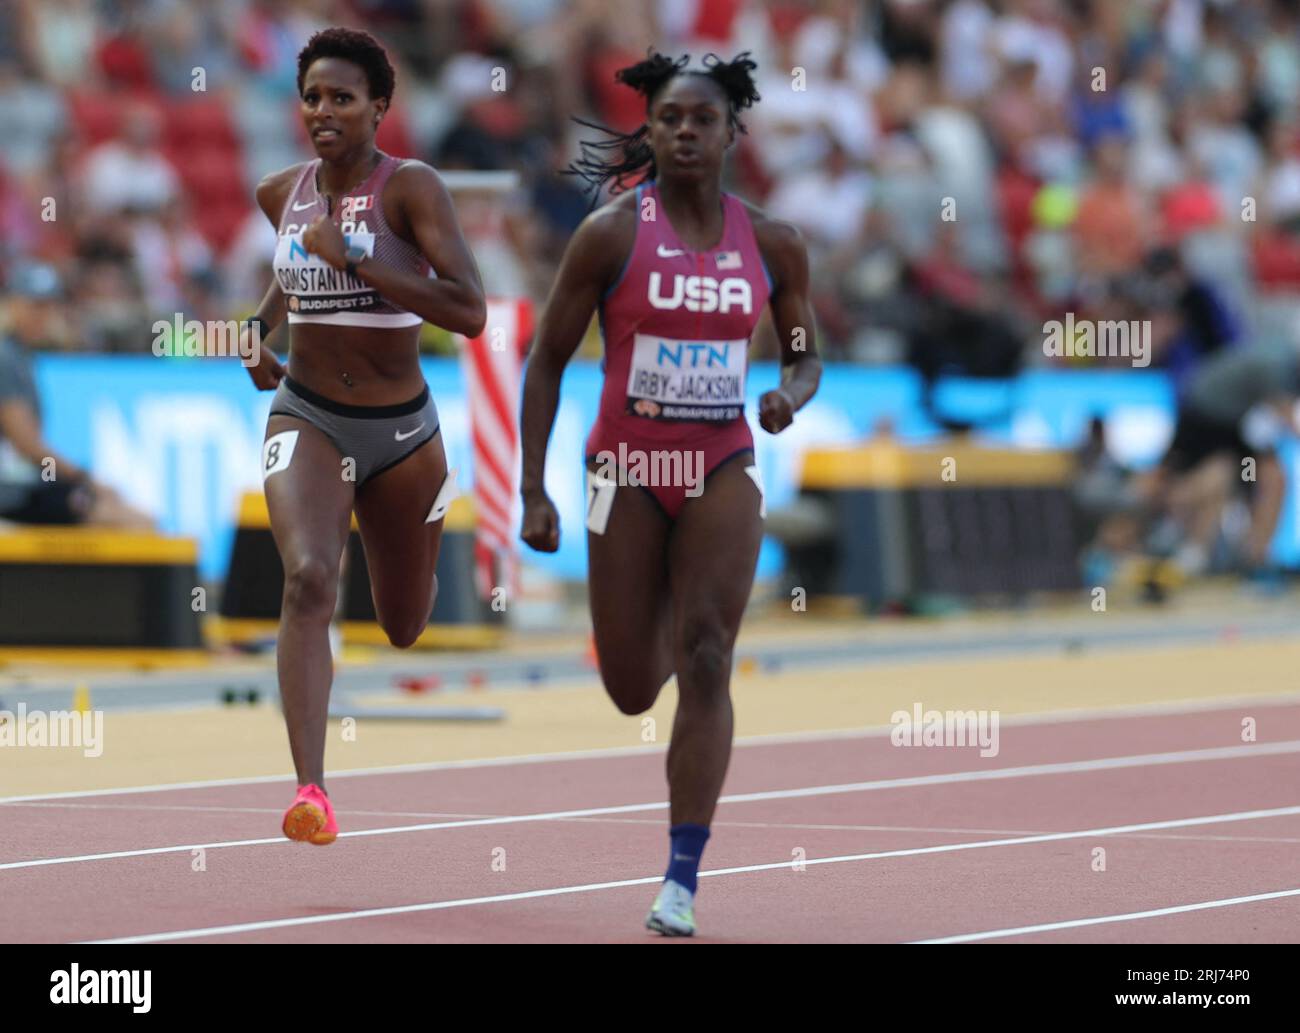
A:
(375, 437)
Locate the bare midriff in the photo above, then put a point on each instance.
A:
(357, 365)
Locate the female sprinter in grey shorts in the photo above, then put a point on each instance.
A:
(368, 247)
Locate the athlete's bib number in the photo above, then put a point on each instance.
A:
(686, 380)
(600, 500)
(310, 284)
(277, 452)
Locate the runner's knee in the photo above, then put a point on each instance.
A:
(705, 655)
(633, 688)
(310, 588)
(633, 699)
(403, 628)
(403, 634)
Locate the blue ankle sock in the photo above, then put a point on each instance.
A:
(684, 857)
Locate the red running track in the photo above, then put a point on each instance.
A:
(1199, 832)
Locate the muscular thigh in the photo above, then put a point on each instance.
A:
(401, 547)
(627, 583)
(309, 501)
(713, 553)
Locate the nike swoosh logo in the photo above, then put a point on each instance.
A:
(670, 252)
(402, 437)
(300, 207)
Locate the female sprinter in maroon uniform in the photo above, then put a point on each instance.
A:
(680, 273)
(352, 424)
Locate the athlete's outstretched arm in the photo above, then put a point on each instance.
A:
(801, 367)
(585, 271)
(425, 214)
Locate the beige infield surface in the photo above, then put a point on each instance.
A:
(218, 742)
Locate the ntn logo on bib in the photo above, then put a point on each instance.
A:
(289, 248)
(686, 380)
(309, 276)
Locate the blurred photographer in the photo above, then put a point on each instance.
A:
(37, 484)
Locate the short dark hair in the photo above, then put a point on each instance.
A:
(353, 45)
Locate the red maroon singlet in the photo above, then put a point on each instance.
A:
(676, 326)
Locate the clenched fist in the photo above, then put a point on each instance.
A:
(324, 238)
(541, 528)
(775, 411)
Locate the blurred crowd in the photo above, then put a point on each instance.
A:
(963, 170)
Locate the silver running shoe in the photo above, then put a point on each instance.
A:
(673, 912)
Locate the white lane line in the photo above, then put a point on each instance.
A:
(950, 778)
(649, 750)
(1131, 916)
(205, 808)
(1219, 839)
(377, 912)
(392, 769)
(1069, 716)
(779, 825)
(929, 829)
(945, 848)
